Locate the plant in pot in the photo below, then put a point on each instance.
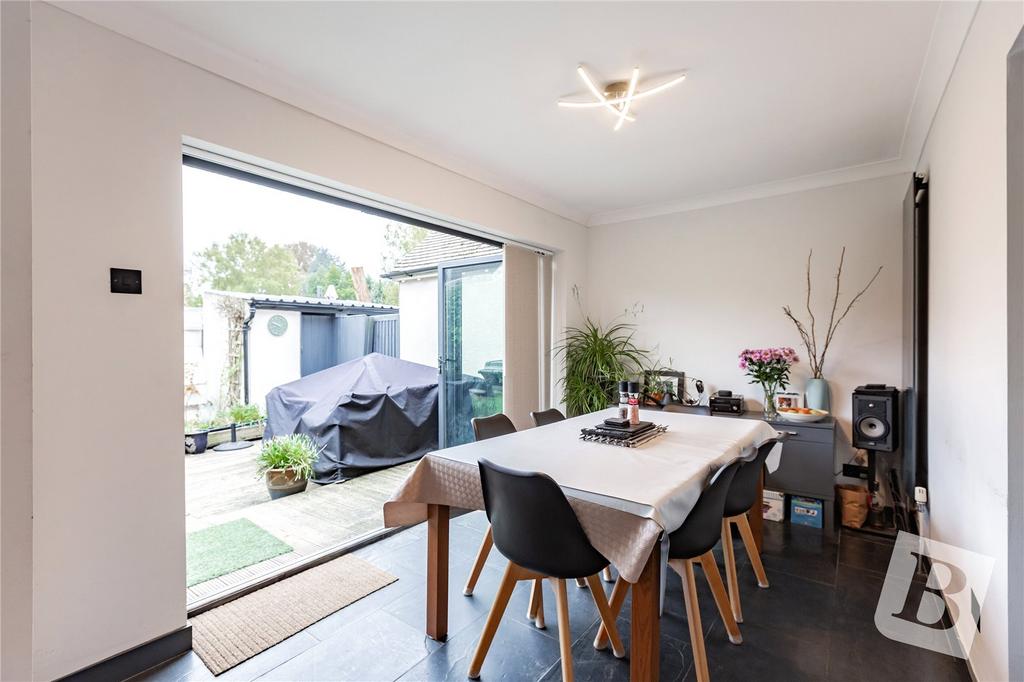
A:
(596, 359)
(286, 462)
(816, 392)
(196, 436)
(770, 368)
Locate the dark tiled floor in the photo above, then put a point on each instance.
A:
(815, 622)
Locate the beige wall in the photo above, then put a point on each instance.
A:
(108, 120)
(713, 282)
(16, 343)
(965, 158)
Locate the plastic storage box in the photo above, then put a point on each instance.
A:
(773, 507)
(805, 511)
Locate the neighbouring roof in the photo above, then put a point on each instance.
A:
(437, 248)
(273, 301)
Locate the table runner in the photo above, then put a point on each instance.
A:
(624, 497)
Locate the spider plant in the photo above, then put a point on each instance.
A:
(295, 452)
(596, 359)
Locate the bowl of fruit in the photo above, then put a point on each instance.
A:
(801, 414)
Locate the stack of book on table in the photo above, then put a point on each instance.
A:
(622, 433)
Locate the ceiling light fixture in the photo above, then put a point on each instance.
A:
(618, 97)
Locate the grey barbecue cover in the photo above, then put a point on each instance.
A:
(369, 413)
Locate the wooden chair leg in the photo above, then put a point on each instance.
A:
(618, 597)
(536, 609)
(748, 543)
(607, 617)
(730, 571)
(606, 575)
(714, 578)
(478, 565)
(508, 584)
(700, 657)
(564, 636)
(580, 582)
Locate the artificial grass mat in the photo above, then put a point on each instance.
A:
(226, 547)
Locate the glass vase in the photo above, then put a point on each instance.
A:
(770, 411)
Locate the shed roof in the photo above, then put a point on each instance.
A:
(290, 301)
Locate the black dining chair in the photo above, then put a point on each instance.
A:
(545, 417)
(694, 541)
(534, 526)
(552, 416)
(741, 497)
(484, 428)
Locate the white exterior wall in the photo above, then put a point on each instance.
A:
(273, 360)
(483, 319)
(417, 320)
(109, 116)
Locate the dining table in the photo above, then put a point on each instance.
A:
(626, 498)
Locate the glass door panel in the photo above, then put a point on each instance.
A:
(472, 345)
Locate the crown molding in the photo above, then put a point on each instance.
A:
(139, 23)
(736, 195)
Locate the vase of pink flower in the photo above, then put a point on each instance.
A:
(770, 368)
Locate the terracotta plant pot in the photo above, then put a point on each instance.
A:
(284, 482)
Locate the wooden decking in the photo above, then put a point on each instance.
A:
(221, 487)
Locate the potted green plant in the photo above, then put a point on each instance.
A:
(196, 436)
(248, 421)
(596, 359)
(286, 462)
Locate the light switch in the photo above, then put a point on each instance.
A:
(125, 281)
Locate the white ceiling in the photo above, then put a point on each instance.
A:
(777, 92)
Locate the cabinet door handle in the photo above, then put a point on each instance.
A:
(791, 433)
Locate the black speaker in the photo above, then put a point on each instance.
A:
(876, 417)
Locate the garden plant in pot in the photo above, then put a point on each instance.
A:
(816, 391)
(196, 436)
(287, 463)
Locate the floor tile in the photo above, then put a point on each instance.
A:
(518, 652)
(865, 552)
(377, 647)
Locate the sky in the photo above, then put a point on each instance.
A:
(216, 206)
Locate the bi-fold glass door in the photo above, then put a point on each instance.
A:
(471, 345)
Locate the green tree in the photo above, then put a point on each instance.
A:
(248, 264)
(311, 257)
(399, 240)
(335, 273)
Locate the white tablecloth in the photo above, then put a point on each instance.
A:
(625, 497)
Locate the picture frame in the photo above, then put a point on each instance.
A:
(789, 399)
(673, 380)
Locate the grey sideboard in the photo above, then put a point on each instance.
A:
(807, 466)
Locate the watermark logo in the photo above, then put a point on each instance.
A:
(916, 613)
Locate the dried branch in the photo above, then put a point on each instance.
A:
(808, 344)
(812, 349)
(832, 330)
(816, 358)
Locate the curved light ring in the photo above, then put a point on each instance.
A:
(639, 95)
(602, 101)
(624, 112)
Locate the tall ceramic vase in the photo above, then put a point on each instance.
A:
(817, 395)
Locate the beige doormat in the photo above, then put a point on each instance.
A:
(227, 635)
